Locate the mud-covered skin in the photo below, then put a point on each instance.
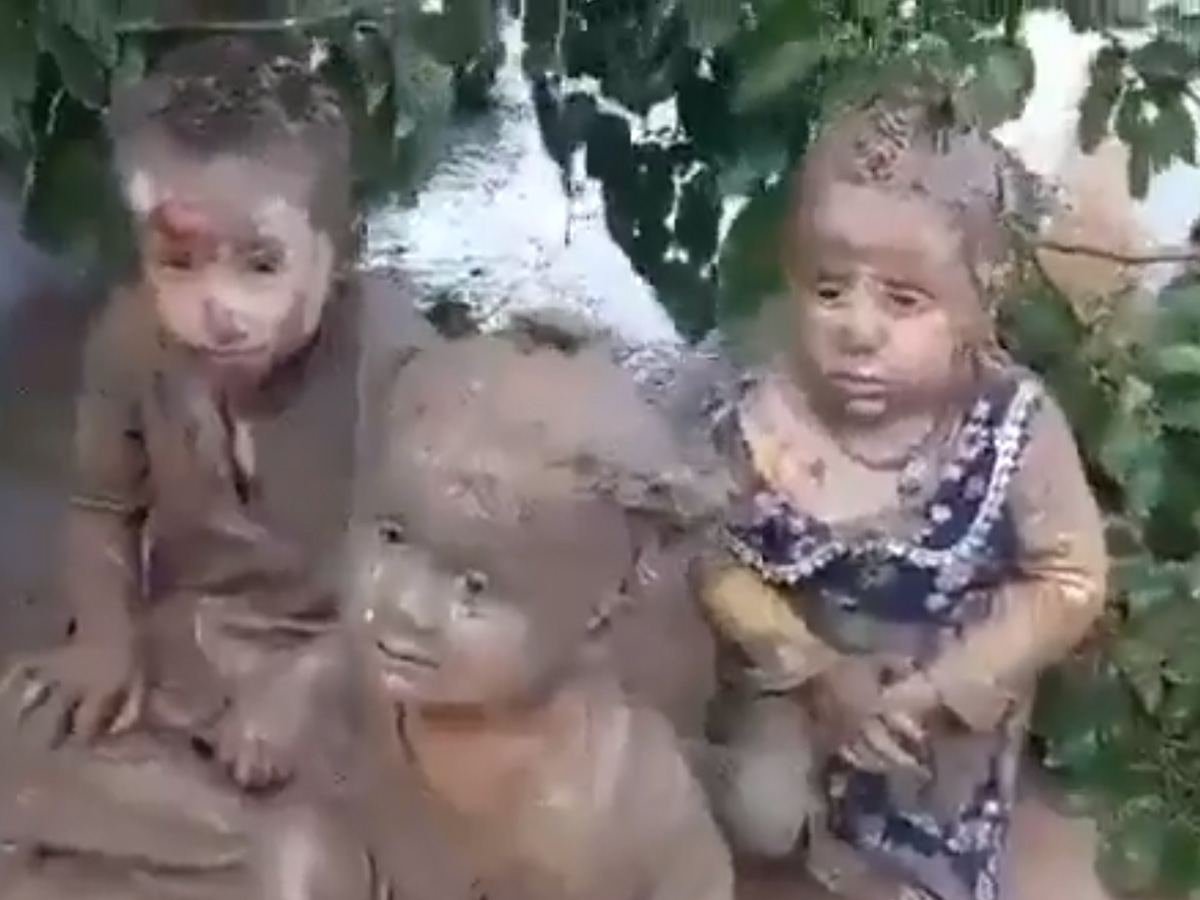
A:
(503, 530)
(211, 657)
(213, 454)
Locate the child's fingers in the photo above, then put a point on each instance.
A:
(906, 727)
(131, 708)
(877, 736)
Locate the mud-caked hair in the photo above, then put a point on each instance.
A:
(910, 140)
(232, 96)
(571, 421)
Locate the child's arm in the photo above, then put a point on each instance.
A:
(109, 498)
(1058, 594)
(758, 619)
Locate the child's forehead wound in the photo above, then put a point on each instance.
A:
(179, 222)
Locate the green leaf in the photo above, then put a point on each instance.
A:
(18, 79)
(698, 217)
(1002, 80)
(1164, 63)
(1177, 359)
(1135, 127)
(1104, 90)
(1181, 413)
(1142, 665)
(749, 266)
(71, 206)
(1131, 450)
(1172, 133)
(1132, 844)
(1140, 172)
(711, 23)
(94, 24)
(1144, 583)
(132, 62)
(782, 68)
(82, 72)
(1179, 871)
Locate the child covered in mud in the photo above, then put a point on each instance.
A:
(503, 527)
(916, 539)
(215, 431)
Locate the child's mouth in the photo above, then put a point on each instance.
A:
(404, 656)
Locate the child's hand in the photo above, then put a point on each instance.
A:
(259, 737)
(254, 751)
(893, 737)
(885, 742)
(85, 690)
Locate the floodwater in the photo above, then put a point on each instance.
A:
(490, 228)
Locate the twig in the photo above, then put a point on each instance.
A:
(1149, 258)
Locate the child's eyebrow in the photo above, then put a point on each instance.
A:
(824, 273)
(901, 284)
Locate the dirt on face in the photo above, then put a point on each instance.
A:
(536, 427)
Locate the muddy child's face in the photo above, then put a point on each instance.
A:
(239, 274)
(472, 597)
(878, 279)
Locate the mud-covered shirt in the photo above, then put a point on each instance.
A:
(250, 506)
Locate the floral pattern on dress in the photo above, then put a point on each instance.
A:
(941, 578)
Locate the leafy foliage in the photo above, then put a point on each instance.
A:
(747, 80)
(398, 65)
(697, 205)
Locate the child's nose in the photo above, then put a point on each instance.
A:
(862, 330)
(222, 325)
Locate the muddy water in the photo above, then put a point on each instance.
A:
(491, 227)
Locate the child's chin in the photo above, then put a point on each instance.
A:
(866, 408)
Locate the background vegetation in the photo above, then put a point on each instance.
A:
(748, 80)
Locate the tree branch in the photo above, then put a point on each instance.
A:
(1164, 254)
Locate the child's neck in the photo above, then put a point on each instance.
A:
(484, 764)
(510, 721)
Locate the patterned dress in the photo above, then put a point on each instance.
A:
(903, 594)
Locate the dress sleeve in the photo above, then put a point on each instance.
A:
(749, 613)
(759, 620)
(1057, 594)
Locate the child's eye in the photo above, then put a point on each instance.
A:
(908, 301)
(177, 262)
(474, 583)
(264, 262)
(829, 291)
(391, 532)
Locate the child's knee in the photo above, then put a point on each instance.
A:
(304, 856)
(767, 797)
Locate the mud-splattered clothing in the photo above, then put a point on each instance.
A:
(235, 564)
(605, 809)
(242, 508)
(989, 565)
